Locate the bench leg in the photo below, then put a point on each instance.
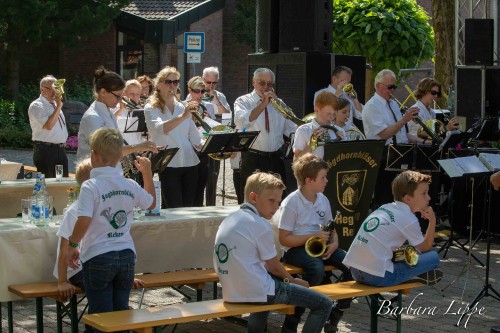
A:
(10, 318)
(398, 318)
(59, 316)
(199, 295)
(74, 314)
(215, 290)
(374, 317)
(39, 315)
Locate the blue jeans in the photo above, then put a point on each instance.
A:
(314, 272)
(402, 272)
(108, 279)
(290, 293)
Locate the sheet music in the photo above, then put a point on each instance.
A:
(491, 161)
(132, 123)
(457, 167)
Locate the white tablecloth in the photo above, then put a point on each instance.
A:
(179, 238)
(12, 191)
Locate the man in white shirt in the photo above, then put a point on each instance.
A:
(254, 112)
(382, 120)
(211, 78)
(341, 76)
(49, 130)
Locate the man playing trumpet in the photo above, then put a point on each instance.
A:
(254, 112)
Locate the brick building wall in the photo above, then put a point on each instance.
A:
(151, 58)
(97, 50)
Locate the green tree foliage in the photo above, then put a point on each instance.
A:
(31, 22)
(391, 34)
(244, 22)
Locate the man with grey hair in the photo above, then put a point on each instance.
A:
(254, 112)
(49, 130)
(211, 78)
(382, 120)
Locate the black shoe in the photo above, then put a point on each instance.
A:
(332, 325)
(429, 278)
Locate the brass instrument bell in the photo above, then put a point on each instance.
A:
(349, 90)
(59, 87)
(435, 125)
(408, 254)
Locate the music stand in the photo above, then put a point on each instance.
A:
(453, 139)
(160, 160)
(412, 157)
(137, 125)
(221, 143)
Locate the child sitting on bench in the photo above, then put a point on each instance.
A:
(247, 262)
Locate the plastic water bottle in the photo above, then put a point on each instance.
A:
(45, 198)
(156, 210)
(38, 201)
(35, 210)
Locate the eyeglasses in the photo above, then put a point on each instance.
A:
(118, 97)
(169, 82)
(264, 83)
(211, 82)
(435, 92)
(390, 87)
(197, 91)
(48, 88)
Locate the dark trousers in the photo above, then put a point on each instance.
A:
(178, 186)
(251, 162)
(213, 175)
(237, 185)
(47, 156)
(203, 171)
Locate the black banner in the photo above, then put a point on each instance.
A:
(351, 181)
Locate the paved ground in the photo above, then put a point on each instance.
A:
(430, 309)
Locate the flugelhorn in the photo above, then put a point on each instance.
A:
(424, 126)
(286, 111)
(408, 254)
(349, 90)
(59, 88)
(324, 138)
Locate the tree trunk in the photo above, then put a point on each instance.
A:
(443, 12)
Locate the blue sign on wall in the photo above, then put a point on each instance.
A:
(194, 42)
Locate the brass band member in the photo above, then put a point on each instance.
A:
(325, 105)
(342, 114)
(169, 124)
(49, 129)
(131, 100)
(147, 85)
(427, 92)
(253, 112)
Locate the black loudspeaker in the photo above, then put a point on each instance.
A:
(358, 66)
(267, 26)
(479, 42)
(468, 90)
(305, 25)
(297, 76)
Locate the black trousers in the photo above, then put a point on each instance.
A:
(178, 186)
(251, 162)
(237, 185)
(213, 175)
(46, 156)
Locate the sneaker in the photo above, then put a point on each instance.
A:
(429, 278)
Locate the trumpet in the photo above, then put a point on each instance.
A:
(286, 111)
(129, 103)
(59, 87)
(349, 90)
(315, 246)
(425, 127)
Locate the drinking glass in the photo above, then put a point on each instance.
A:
(49, 207)
(59, 172)
(26, 210)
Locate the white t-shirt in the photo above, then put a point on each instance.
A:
(303, 136)
(109, 199)
(303, 217)
(65, 231)
(381, 233)
(243, 243)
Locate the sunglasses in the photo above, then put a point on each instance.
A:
(118, 97)
(169, 82)
(211, 82)
(263, 83)
(197, 91)
(390, 87)
(435, 92)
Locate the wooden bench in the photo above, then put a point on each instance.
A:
(31, 169)
(145, 320)
(195, 278)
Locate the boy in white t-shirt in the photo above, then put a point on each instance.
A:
(248, 265)
(388, 228)
(302, 215)
(105, 213)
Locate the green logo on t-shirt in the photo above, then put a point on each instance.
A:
(222, 252)
(371, 225)
(118, 220)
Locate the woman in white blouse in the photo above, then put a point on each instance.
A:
(108, 90)
(170, 124)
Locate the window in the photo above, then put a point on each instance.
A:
(130, 53)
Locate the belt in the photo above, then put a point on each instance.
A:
(50, 144)
(266, 154)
